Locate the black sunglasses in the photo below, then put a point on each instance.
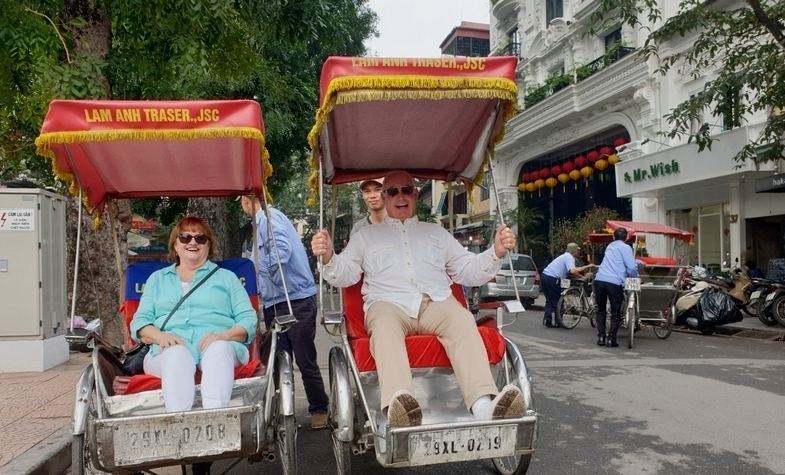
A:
(185, 238)
(406, 190)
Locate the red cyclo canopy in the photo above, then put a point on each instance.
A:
(136, 149)
(634, 228)
(437, 118)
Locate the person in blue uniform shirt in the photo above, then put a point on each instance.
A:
(617, 264)
(562, 267)
(279, 232)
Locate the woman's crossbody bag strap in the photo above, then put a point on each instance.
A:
(190, 291)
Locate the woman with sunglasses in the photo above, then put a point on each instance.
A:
(210, 330)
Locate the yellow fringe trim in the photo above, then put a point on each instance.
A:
(44, 148)
(355, 89)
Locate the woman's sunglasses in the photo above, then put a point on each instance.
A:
(185, 238)
(406, 190)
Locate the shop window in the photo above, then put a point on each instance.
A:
(553, 9)
(710, 224)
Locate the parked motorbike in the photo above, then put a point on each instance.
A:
(707, 303)
(758, 290)
(771, 303)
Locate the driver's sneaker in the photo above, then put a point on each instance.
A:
(404, 410)
(508, 404)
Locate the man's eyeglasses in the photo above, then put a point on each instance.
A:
(406, 190)
(185, 238)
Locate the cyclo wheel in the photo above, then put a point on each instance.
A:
(569, 308)
(632, 317)
(514, 464)
(664, 329)
(286, 425)
(82, 462)
(342, 450)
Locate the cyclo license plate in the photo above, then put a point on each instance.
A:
(755, 295)
(144, 440)
(771, 296)
(454, 445)
(565, 283)
(632, 283)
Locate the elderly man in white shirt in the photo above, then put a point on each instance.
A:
(408, 267)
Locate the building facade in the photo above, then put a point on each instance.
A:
(589, 135)
(466, 214)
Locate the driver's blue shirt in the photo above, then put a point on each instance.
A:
(560, 267)
(279, 239)
(617, 264)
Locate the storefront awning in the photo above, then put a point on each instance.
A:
(770, 184)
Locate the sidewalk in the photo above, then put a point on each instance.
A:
(36, 408)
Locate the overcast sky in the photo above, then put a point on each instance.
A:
(416, 28)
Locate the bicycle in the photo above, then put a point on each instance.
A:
(576, 302)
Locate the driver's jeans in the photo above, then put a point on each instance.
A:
(388, 324)
(604, 291)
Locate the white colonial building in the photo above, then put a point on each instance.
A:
(582, 93)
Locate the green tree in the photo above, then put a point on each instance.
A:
(741, 45)
(527, 220)
(162, 49)
(577, 230)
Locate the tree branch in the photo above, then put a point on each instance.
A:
(774, 27)
(62, 40)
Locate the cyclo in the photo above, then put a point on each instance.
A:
(650, 298)
(438, 120)
(108, 150)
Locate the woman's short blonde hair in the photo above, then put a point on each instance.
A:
(194, 225)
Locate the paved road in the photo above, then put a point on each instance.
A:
(690, 404)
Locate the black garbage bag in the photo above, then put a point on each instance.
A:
(717, 308)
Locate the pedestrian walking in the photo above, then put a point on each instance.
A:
(560, 268)
(617, 264)
(279, 233)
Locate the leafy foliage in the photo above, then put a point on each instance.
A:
(271, 51)
(566, 231)
(742, 46)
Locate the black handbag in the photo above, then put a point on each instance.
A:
(134, 358)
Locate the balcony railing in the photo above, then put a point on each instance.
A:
(558, 82)
(510, 49)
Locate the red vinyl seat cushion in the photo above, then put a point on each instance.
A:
(424, 351)
(148, 382)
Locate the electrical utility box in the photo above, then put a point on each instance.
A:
(32, 280)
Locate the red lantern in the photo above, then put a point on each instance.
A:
(545, 172)
(619, 141)
(592, 156)
(605, 151)
(534, 175)
(525, 177)
(568, 167)
(555, 170)
(580, 161)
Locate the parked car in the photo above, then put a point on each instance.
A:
(501, 286)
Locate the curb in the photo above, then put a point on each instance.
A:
(50, 456)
